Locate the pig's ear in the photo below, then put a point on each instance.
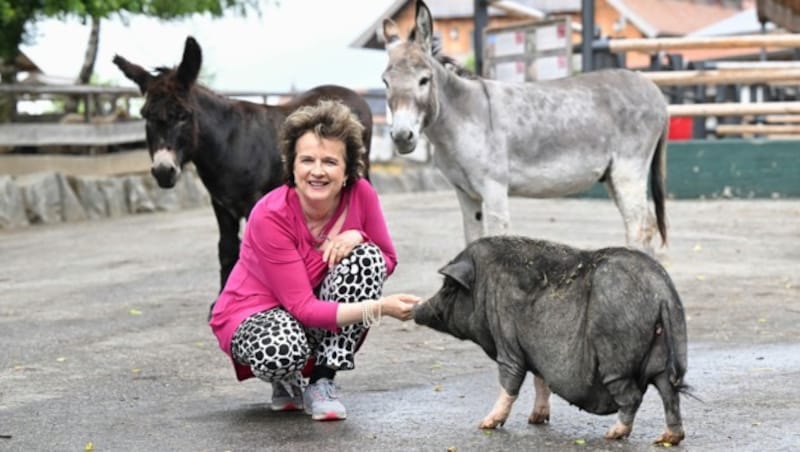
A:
(461, 270)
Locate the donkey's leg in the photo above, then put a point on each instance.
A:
(471, 215)
(228, 245)
(629, 189)
(496, 215)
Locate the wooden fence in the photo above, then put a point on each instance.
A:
(725, 73)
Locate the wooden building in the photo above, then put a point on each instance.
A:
(454, 21)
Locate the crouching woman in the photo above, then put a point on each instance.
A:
(313, 259)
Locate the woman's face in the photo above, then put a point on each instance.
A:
(319, 167)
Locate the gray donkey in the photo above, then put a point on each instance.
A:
(542, 139)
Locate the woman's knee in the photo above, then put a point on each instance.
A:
(358, 276)
(272, 343)
(278, 360)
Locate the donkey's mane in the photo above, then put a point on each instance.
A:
(164, 71)
(448, 62)
(452, 65)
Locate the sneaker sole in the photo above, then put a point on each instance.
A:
(332, 416)
(286, 407)
(329, 416)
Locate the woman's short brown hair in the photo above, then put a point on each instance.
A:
(329, 119)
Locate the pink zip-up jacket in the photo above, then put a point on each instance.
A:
(279, 263)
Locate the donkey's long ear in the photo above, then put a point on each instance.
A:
(391, 33)
(423, 27)
(190, 64)
(134, 73)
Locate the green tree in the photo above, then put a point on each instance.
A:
(18, 16)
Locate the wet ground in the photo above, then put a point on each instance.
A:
(104, 339)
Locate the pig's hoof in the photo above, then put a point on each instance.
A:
(539, 417)
(491, 423)
(669, 437)
(618, 431)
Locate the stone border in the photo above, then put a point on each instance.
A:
(52, 197)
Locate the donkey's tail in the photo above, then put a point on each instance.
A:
(658, 177)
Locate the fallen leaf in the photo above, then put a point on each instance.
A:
(437, 388)
(762, 369)
(580, 442)
(701, 277)
(136, 371)
(756, 424)
(697, 247)
(451, 449)
(89, 447)
(762, 320)
(488, 432)
(134, 311)
(61, 359)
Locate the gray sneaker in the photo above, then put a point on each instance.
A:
(286, 396)
(322, 403)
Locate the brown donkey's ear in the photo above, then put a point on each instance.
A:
(134, 72)
(190, 64)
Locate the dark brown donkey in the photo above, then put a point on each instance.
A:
(233, 144)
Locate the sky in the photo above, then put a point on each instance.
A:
(296, 44)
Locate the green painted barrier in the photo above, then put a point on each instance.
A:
(730, 168)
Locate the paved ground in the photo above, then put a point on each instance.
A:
(104, 339)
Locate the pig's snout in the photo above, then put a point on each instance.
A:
(422, 313)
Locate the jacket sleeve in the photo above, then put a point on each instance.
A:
(374, 227)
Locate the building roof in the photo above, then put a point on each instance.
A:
(743, 23)
(372, 37)
(24, 64)
(661, 18)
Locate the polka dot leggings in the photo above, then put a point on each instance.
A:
(276, 346)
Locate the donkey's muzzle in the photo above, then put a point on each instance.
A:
(165, 175)
(405, 140)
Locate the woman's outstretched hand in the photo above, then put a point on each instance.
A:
(399, 306)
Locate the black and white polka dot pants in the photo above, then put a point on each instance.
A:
(276, 346)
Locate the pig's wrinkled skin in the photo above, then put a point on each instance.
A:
(597, 326)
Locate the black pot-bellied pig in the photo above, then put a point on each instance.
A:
(597, 326)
